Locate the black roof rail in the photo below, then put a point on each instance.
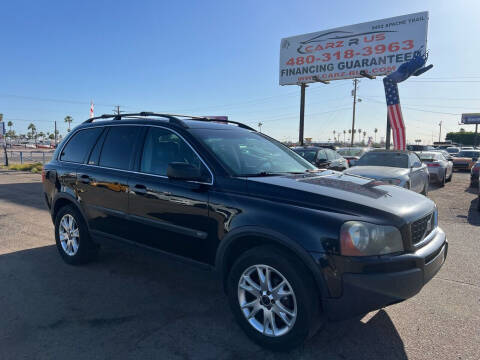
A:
(172, 118)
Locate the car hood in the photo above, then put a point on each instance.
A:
(377, 172)
(338, 192)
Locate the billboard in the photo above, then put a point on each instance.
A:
(471, 118)
(376, 47)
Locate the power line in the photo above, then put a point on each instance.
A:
(77, 102)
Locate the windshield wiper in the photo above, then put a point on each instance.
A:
(262, 173)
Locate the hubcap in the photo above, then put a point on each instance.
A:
(69, 234)
(267, 300)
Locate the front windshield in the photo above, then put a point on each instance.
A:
(247, 153)
(453, 150)
(391, 159)
(351, 152)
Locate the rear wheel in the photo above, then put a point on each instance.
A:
(72, 237)
(443, 179)
(274, 298)
(450, 177)
(425, 188)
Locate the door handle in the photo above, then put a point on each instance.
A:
(85, 179)
(140, 189)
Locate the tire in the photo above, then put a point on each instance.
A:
(425, 189)
(443, 180)
(74, 250)
(450, 177)
(305, 301)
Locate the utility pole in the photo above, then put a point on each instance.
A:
(355, 81)
(117, 110)
(302, 113)
(440, 132)
(55, 133)
(388, 134)
(260, 126)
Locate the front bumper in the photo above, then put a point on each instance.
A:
(368, 284)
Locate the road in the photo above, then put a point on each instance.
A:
(133, 305)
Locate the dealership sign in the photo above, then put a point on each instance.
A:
(376, 47)
(471, 118)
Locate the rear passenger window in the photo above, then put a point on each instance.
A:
(117, 150)
(79, 146)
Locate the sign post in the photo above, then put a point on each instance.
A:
(363, 50)
(3, 141)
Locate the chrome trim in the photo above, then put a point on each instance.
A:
(137, 172)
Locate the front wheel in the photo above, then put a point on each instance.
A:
(274, 298)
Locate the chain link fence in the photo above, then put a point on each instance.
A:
(21, 157)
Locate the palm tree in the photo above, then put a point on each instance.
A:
(344, 133)
(375, 131)
(33, 131)
(10, 124)
(334, 135)
(364, 134)
(68, 119)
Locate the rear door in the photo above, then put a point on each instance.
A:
(72, 156)
(103, 180)
(167, 214)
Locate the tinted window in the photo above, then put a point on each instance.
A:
(80, 145)
(414, 160)
(468, 153)
(117, 150)
(95, 154)
(392, 159)
(308, 155)
(163, 147)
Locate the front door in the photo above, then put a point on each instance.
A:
(170, 215)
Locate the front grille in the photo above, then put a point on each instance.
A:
(421, 228)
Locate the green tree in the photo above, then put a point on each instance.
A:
(33, 132)
(375, 131)
(10, 124)
(462, 137)
(68, 119)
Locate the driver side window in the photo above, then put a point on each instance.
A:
(415, 160)
(322, 155)
(162, 147)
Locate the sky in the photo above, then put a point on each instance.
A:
(221, 58)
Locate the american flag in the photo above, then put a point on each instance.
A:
(91, 109)
(395, 113)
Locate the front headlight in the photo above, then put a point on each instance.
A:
(364, 239)
(392, 181)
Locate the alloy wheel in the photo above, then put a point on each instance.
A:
(69, 234)
(267, 300)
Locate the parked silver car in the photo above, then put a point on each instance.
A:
(439, 168)
(401, 168)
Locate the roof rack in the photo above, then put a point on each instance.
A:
(172, 118)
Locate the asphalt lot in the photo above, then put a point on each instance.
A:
(136, 305)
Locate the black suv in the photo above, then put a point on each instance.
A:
(293, 245)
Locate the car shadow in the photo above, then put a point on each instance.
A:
(139, 305)
(31, 191)
(473, 217)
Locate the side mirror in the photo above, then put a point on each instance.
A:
(183, 171)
